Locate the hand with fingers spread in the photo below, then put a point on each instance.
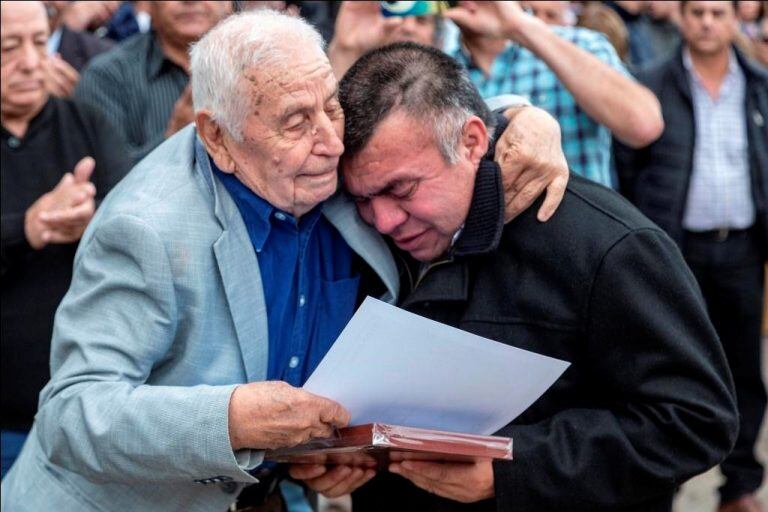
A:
(60, 77)
(274, 414)
(332, 481)
(531, 158)
(61, 215)
(466, 482)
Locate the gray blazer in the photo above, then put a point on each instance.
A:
(164, 317)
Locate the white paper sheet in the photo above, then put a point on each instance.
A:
(391, 366)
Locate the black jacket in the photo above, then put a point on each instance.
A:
(648, 401)
(656, 178)
(32, 283)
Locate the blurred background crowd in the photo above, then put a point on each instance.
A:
(91, 87)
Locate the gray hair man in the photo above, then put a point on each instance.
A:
(648, 401)
(207, 288)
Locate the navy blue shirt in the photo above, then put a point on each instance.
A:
(310, 286)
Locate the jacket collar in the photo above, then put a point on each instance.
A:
(448, 279)
(680, 74)
(485, 221)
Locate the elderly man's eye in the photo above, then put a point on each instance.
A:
(333, 109)
(296, 121)
(404, 190)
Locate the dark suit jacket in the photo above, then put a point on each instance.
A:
(656, 178)
(648, 401)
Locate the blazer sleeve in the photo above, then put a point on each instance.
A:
(667, 410)
(98, 416)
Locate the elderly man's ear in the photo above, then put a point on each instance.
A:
(474, 139)
(214, 138)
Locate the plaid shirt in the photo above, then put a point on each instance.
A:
(586, 144)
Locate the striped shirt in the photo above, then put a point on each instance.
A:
(516, 70)
(720, 192)
(135, 86)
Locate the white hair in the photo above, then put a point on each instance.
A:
(261, 38)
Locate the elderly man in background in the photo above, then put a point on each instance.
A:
(211, 283)
(648, 401)
(142, 85)
(58, 159)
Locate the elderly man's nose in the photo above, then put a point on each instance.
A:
(30, 57)
(387, 215)
(327, 141)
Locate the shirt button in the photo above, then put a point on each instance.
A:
(302, 301)
(280, 216)
(294, 362)
(13, 142)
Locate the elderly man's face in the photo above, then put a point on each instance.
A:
(23, 36)
(404, 187)
(293, 134)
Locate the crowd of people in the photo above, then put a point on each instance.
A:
(155, 339)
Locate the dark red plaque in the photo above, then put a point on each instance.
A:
(376, 444)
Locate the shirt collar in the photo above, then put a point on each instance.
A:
(733, 65)
(54, 42)
(258, 214)
(156, 59)
(41, 119)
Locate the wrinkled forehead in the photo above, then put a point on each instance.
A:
(286, 82)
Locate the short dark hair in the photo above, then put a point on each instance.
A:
(735, 4)
(422, 81)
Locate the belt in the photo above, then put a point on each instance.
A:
(717, 235)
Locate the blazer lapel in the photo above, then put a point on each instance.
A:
(240, 275)
(365, 241)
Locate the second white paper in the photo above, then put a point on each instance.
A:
(392, 366)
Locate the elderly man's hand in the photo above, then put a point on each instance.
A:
(465, 482)
(531, 158)
(274, 414)
(61, 215)
(331, 481)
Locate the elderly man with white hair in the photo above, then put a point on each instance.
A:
(210, 284)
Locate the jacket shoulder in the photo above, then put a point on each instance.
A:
(591, 219)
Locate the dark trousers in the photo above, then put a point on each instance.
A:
(730, 271)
